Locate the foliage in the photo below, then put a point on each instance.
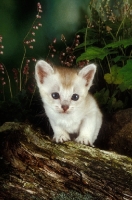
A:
(92, 53)
(108, 42)
(105, 40)
(24, 72)
(15, 104)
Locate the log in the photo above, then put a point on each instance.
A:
(34, 167)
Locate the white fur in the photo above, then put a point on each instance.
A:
(82, 117)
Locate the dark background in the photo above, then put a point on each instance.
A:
(58, 17)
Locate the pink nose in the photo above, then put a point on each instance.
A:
(65, 107)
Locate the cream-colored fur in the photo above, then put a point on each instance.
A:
(68, 115)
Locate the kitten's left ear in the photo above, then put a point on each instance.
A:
(88, 73)
(42, 70)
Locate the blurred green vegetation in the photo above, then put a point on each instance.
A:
(84, 30)
(15, 19)
(58, 17)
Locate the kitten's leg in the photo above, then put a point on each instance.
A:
(89, 129)
(60, 135)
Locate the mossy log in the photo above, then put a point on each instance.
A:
(34, 167)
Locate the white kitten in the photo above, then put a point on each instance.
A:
(68, 105)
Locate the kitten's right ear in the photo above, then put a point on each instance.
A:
(42, 69)
(88, 73)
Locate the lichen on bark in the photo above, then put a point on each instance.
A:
(33, 166)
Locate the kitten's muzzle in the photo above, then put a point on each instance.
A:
(65, 107)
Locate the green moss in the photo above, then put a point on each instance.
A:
(73, 195)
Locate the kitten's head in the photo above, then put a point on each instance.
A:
(63, 89)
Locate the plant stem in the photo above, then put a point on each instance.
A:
(122, 22)
(130, 54)
(85, 39)
(101, 66)
(8, 81)
(20, 71)
(120, 26)
(48, 54)
(30, 28)
(112, 35)
(3, 94)
(32, 96)
(107, 58)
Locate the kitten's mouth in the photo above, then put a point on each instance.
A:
(64, 112)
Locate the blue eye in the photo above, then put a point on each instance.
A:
(75, 97)
(55, 95)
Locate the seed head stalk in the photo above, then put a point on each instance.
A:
(122, 22)
(20, 72)
(8, 81)
(85, 39)
(24, 42)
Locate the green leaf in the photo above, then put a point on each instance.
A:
(102, 96)
(119, 58)
(114, 77)
(126, 73)
(90, 42)
(92, 53)
(125, 43)
(118, 104)
(90, 31)
(82, 31)
(114, 104)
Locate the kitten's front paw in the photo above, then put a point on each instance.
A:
(61, 138)
(84, 140)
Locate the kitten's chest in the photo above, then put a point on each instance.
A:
(69, 123)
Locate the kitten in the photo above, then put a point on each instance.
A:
(68, 105)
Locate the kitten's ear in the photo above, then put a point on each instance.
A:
(88, 73)
(42, 69)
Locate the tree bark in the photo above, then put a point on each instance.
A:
(34, 167)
